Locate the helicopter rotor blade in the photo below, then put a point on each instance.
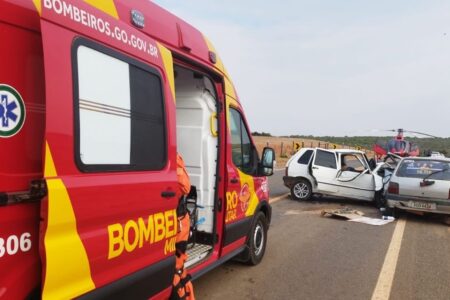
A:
(421, 133)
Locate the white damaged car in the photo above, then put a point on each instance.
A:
(338, 173)
(420, 185)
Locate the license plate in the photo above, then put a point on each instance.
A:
(421, 205)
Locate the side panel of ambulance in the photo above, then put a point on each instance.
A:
(109, 219)
(22, 115)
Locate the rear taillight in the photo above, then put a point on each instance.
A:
(449, 194)
(393, 188)
(286, 172)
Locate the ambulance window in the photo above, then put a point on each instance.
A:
(119, 105)
(243, 152)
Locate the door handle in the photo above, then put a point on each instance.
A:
(168, 194)
(234, 180)
(315, 168)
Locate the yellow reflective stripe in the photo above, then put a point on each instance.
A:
(168, 66)
(107, 6)
(37, 3)
(253, 202)
(49, 169)
(229, 88)
(219, 63)
(67, 270)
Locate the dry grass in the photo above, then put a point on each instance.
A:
(284, 147)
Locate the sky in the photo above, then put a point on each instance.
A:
(327, 67)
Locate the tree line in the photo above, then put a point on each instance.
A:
(426, 145)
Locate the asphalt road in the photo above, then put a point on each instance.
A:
(313, 257)
(276, 184)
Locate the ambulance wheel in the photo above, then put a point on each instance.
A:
(301, 190)
(257, 240)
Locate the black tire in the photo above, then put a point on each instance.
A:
(390, 212)
(301, 190)
(257, 240)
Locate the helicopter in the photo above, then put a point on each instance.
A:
(398, 145)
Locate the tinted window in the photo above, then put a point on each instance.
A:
(326, 159)
(305, 157)
(243, 153)
(432, 169)
(119, 113)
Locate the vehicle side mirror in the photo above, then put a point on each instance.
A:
(266, 165)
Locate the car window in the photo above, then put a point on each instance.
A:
(326, 159)
(305, 157)
(431, 169)
(352, 161)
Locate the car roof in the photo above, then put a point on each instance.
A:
(441, 158)
(345, 151)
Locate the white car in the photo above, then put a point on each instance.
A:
(340, 173)
(435, 154)
(420, 184)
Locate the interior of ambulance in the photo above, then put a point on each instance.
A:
(197, 140)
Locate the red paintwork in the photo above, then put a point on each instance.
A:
(162, 25)
(21, 272)
(409, 149)
(102, 199)
(98, 199)
(21, 66)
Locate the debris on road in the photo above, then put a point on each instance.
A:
(354, 216)
(292, 212)
(373, 221)
(345, 213)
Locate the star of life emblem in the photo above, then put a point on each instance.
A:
(12, 111)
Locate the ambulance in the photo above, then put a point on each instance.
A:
(96, 100)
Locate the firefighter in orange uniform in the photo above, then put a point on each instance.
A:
(182, 287)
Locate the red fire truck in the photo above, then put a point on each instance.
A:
(96, 99)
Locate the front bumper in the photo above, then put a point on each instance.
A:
(403, 203)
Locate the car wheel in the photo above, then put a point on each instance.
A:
(390, 211)
(301, 190)
(257, 240)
